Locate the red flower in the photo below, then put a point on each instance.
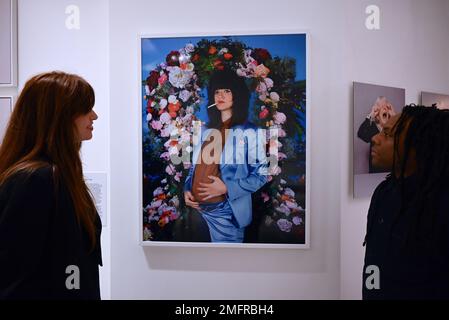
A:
(218, 64)
(173, 58)
(152, 80)
(264, 113)
(261, 55)
(212, 50)
(228, 56)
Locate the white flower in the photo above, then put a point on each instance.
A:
(165, 118)
(185, 95)
(223, 51)
(189, 48)
(149, 117)
(190, 67)
(281, 133)
(189, 149)
(274, 96)
(147, 90)
(172, 99)
(178, 77)
(263, 97)
(184, 58)
(156, 204)
(164, 181)
(284, 225)
(283, 181)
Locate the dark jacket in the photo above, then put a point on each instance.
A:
(410, 267)
(40, 238)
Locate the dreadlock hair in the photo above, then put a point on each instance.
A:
(427, 136)
(228, 79)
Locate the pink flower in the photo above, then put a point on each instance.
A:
(170, 169)
(156, 125)
(297, 221)
(279, 118)
(282, 156)
(281, 133)
(165, 118)
(264, 113)
(269, 83)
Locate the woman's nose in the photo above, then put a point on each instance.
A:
(94, 115)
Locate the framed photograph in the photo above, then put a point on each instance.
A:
(373, 106)
(8, 43)
(224, 145)
(440, 100)
(6, 104)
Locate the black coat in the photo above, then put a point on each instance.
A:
(40, 238)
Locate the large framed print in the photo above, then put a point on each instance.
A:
(8, 43)
(6, 104)
(224, 140)
(374, 105)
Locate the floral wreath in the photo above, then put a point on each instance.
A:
(173, 95)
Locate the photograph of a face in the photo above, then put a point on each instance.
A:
(224, 139)
(373, 107)
(441, 101)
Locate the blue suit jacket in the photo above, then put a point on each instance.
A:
(243, 167)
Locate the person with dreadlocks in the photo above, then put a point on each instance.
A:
(407, 239)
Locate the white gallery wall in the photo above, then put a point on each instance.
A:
(410, 51)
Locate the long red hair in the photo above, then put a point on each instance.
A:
(42, 131)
